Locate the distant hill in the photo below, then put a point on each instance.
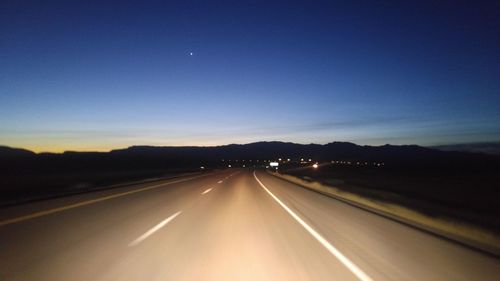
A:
(6, 151)
(483, 147)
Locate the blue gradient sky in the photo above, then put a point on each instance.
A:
(95, 76)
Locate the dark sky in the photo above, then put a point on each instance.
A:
(95, 75)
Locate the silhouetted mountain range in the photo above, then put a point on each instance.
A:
(147, 157)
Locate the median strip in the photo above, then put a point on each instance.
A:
(88, 202)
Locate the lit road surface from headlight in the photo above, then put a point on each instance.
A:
(222, 226)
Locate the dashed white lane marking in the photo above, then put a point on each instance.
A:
(219, 181)
(206, 191)
(343, 259)
(153, 230)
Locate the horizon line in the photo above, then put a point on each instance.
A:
(61, 151)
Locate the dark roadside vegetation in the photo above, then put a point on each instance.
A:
(459, 185)
(26, 176)
(462, 186)
(460, 193)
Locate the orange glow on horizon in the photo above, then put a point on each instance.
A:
(105, 146)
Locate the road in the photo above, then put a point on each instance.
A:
(227, 225)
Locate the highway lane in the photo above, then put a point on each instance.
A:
(223, 226)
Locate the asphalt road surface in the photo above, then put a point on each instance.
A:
(227, 225)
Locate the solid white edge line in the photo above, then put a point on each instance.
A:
(153, 230)
(343, 259)
(207, 191)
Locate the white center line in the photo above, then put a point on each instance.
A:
(343, 259)
(153, 230)
(219, 181)
(206, 191)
